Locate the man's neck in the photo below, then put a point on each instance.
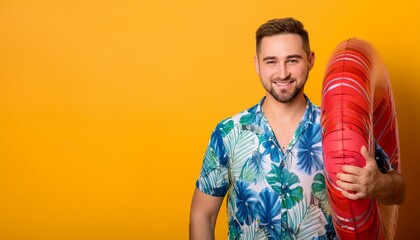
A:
(284, 112)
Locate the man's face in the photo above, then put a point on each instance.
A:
(283, 66)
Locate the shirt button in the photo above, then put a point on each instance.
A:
(282, 164)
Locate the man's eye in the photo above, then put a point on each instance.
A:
(292, 61)
(270, 62)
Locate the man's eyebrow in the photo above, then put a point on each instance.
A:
(269, 58)
(294, 56)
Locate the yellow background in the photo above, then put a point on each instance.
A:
(106, 107)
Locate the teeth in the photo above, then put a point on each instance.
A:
(282, 83)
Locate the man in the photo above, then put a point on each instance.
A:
(269, 157)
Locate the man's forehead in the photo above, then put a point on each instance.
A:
(281, 45)
(280, 39)
(282, 48)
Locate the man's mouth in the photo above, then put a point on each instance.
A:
(283, 83)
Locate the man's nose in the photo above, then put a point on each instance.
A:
(282, 72)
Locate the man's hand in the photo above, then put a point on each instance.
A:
(369, 182)
(366, 182)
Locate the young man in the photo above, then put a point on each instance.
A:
(268, 159)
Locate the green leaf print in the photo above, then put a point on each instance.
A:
(319, 192)
(210, 161)
(314, 221)
(240, 144)
(212, 179)
(285, 183)
(226, 127)
(305, 221)
(318, 187)
(273, 178)
(246, 119)
(251, 232)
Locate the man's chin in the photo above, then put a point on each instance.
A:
(285, 97)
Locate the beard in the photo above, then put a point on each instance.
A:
(286, 96)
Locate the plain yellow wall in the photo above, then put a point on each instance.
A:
(106, 106)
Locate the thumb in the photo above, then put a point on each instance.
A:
(366, 155)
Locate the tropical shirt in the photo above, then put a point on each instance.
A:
(272, 194)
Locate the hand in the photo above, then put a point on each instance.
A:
(358, 183)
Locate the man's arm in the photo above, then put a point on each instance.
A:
(203, 215)
(369, 182)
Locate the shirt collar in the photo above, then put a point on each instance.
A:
(306, 120)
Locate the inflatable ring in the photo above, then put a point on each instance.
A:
(358, 109)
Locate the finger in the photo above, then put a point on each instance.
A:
(347, 177)
(366, 155)
(347, 186)
(351, 169)
(348, 195)
(353, 196)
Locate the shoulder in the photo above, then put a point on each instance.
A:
(314, 111)
(241, 118)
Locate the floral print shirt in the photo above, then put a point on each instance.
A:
(272, 194)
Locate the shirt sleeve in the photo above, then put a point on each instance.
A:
(382, 160)
(214, 179)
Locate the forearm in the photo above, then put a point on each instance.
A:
(202, 228)
(393, 189)
(203, 215)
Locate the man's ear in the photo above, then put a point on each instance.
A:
(311, 60)
(256, 65)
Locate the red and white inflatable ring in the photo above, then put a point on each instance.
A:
(358, 109)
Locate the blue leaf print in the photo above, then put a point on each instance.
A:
(216, 143)
(263, 137)
(220, 191)
(268, 211)
(245, 202)
(257, 161)
(253, 109)
(271, 148)
(253, 169)
(309, 150)
(382, 159)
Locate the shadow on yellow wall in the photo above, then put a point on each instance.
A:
(106, 107)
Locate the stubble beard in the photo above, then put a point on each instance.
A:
(285, 96)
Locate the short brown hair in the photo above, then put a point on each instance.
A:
(282, 26)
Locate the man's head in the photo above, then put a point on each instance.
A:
(283, 59)
(282, 26)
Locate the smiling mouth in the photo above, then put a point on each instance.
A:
(283, 83)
